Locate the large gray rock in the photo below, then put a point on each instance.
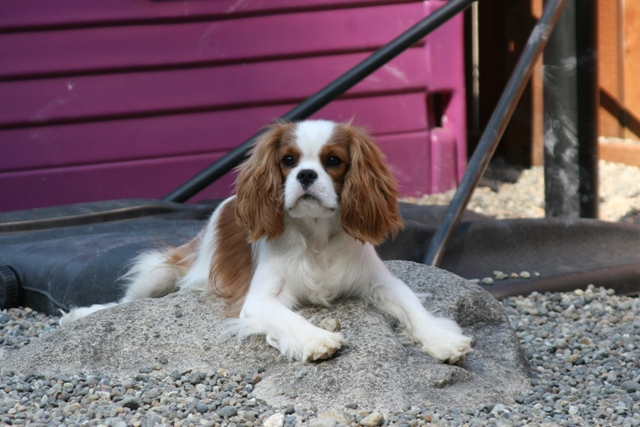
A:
(379, 368)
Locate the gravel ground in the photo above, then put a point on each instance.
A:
(508, 192)
(583, 347)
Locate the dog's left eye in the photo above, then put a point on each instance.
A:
(333, 162)
(288, 161)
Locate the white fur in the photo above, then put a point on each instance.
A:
(80, 312)
(197, 278)
(314, 261)
(310, 137)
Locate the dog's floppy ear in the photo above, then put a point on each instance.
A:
(369, 198)
(259, 187)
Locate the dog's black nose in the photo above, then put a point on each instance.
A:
(306, 177)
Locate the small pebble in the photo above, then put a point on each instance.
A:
(195, 378)
(630, 386)
(202, 408)
(275, 420)
(290, 419)
(132, 404)
(227, 411)
(499, 275)
(487, 281)
(372, 420)
(323, 422)
(330, 324)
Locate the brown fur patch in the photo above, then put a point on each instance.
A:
(259, 185)
(338, 147)
(231, 267)
(182, 257)
(369, 197)
(287, 148)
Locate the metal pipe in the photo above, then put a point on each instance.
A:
(494, 130)
(571, 114)
(475, 69)
(325, 95)
(588, 104)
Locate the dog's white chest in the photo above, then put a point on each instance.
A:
(322, 277)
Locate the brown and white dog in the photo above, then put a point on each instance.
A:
(311, 202)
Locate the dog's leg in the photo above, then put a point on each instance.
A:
(440, 337)
(267, 310)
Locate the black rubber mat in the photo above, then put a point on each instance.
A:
(558, 254)
(73, 257)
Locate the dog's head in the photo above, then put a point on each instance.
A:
(317, 169)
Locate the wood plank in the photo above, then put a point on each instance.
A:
(517, 142)
(627, 154)
(156, 177)
(182, 134)
(86, 98)
(493, 56)
(21, 15)
(132, 47)
(631, 67)
(610, 65)
(537, 100)
(445, 52)
(59, 186)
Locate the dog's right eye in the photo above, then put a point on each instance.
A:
(288, 161)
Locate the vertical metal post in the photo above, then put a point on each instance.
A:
(494, 130)
(571, 101)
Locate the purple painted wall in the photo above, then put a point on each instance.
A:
(129, 98)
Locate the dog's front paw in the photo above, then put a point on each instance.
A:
(452, 350)
(445, 341)
(322, 345)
